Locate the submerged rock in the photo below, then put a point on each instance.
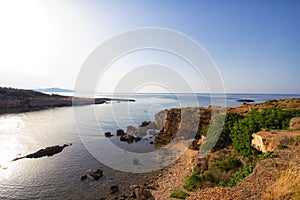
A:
(114, 189)
(97, 174)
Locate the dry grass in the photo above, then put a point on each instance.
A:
(287, 186)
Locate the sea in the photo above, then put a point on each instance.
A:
(58, 176)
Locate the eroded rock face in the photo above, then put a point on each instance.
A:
(261, 142)
(265, 141)
(187, 123)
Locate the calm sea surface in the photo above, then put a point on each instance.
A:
(58, 177)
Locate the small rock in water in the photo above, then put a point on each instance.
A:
(135, 161)
(145, 123)
(114, 189)
(127, 138)
(97, 174)
(108, 134)
(83, 177)
(120, 132)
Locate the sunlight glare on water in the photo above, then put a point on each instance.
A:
(10, 144)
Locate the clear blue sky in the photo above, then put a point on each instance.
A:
(255, 44)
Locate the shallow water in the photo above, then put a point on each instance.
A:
(58, 177)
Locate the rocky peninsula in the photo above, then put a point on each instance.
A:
(20, 100)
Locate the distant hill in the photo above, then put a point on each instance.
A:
(54, 89)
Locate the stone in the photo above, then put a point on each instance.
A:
(143, 194)
(145, 123)
(97, 174)
(127, 138)
(114, 189)
(83, 177)
(194, 145)
(108, 134)
(120, 132)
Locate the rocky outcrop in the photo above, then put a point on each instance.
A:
(120, 132)
(127, 138)
(141, 193)
(185, 123)
(265, 141)
(245, 100)
(49, 151)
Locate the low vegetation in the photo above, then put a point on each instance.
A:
(240, 159)
(179, 194)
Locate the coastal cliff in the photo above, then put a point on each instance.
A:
(258, 155)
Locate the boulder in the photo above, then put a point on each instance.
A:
(194, 145)
(83, 177)
(97, 174)
(120, 132)
(127, 138)
(108, 134)
(261, 143)
(143, 194)
(145, 123)
(131, 130)
(114, 189)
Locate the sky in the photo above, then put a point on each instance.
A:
(255, 45)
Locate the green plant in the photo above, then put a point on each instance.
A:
(230, 163)
(282, 146)
(241, 174)
(179, 194)
(269, 154)
(270, 118)
(191, 182)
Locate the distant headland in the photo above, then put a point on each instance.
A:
(20, 100)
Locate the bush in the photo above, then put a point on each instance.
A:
(241, 174)
(231, 163)
(179, 194)
(191, 182)
(271, 118)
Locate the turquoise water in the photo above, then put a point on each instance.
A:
(58, 177)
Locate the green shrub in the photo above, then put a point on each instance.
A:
(271, 118)
(241, 174)
(179, 194)
(191, 182)
(229, 164)
(269, 154)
